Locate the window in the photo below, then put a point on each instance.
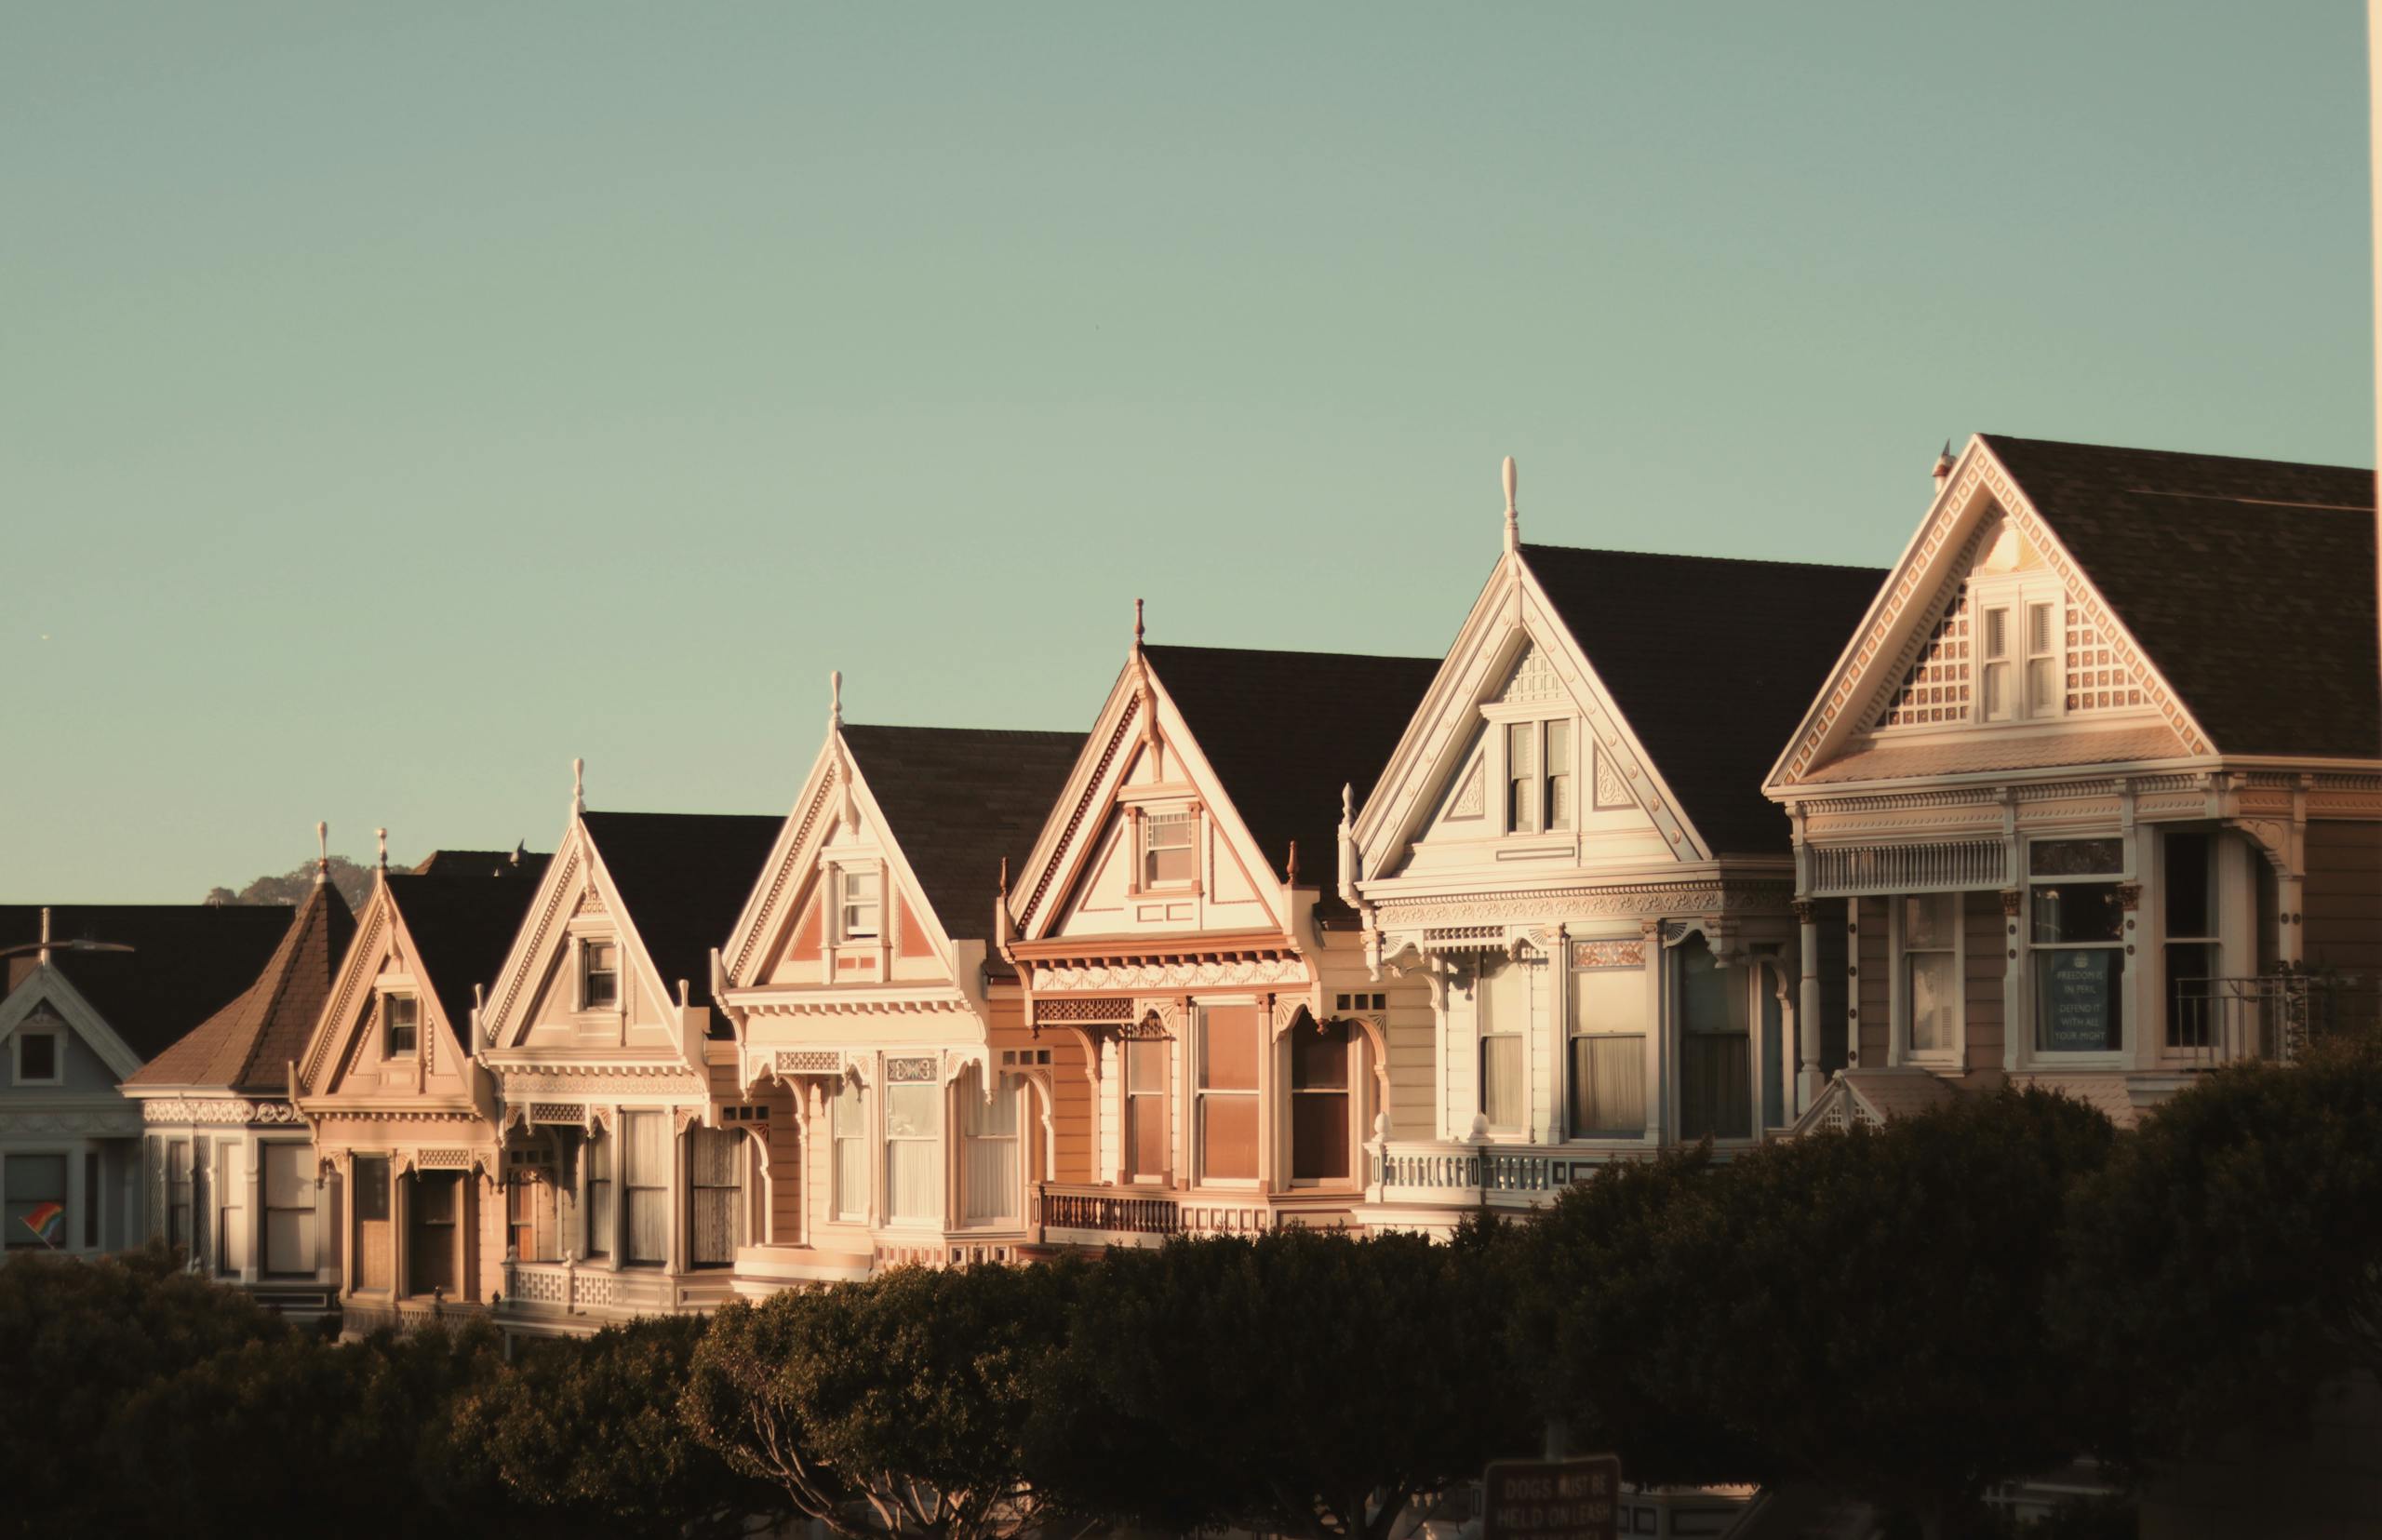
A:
(400, 1014)
(372, 1198)
(1557, 780)
(645, 1185)
(530, 1205)
(1319, 1096)
(1931, 974)
(1170, 849)
(913, 1154)
(1715, 1061)
(862, 901)
(1501, 1002)
(2078, 954)
(852, 1152)
(288, 1209)
(1227, 1093)
(1993, 670)
(2190, 893)
(599, 975)
(2018, 668)
(36, 1201)
(1522, 760)
(231, 1207)
(37, 1058)
(2042, 661)
(434, 1207)
(988, 1140)
(178, 1184)
(599, 1193)
(1608, 1087)
(1146, 1109)
(1539, 783)
(715, 1196)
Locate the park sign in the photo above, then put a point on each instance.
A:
(1551, 1499)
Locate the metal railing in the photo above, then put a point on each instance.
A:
(2213, 1022)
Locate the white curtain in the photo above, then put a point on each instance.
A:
(289, 1209)
(852, 1153)
(989, 1161)
(913, 1154)
(645, 1151)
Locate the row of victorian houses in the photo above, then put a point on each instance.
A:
(2084, 791)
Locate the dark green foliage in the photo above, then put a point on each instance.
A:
(1300, 1383)
(587, 1433)
(892, 1406)
(353, 880)
(2228, 1263)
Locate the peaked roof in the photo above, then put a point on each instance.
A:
(476, 863)
(1285, 731)
(2250, 582)
(960, 800)
(249, 1044)
(1765, 635)
(461, 915)
(683, 877)
(188, 961)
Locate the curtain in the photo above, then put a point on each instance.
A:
(1609, 1083)
(990, 1149)
(913, 1154)
(289, 1209)
(644, 1158)
(714, 1176)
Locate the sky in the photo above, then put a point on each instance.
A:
(396, 402)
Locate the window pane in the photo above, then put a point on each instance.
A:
(2189, 911)
(910, 1172)
(911, 1111)
(289, 1176)
(2042, 687)
(37, 1055)
(1501, 1080)
(1934, 994)
(2190, 1012)
(1715, 1088)
(714, 1171)
(1558, 747)
(1320, 1060)
(2077, 912)
(1997, 633)
(649, 1242)
(1319, 1135)
(2038, 628)
(1930, 922)
(1145, 1065)
(1521, 814)
(848, 1110)
(1144, 1136)
(1228, 1047)
(1997, 691)
(1169, 843)
(1609, 1084)
(37, 1216)
(851, 1177)
(1228, 1137)
(2076, 999)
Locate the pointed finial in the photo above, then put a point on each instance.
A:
(1290, 876)
(1513, 518)
(322, 853)
(43, 956)
(1944, 464)
(1004, 876)
(1137, 625)
(1348, 803)
(835, 697)
(382, 835)
(578, 788)
(520, 850)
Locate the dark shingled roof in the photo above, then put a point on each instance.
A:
(683, 877)
(1285, 730)
(960, 800)
(188, 961)
(2250, 582)
(249, 1044)
(474, 862)
(1712, 662)
(463, 916)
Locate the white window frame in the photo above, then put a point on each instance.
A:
(845, 902)
(1900, 1015)
(584, 957)
(57, 1034)
(310, 1172)
(2017, 593)
(1533, 726)
(388, 1025)
(2029, 993)
(1200, 1093)
(847, 1152)
(1187, 815)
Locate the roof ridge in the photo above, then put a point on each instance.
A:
(1287, 653)
(2179, 454)
(1686, 555)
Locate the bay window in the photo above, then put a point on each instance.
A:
(1226, 1092)
(645, 1188)
(374, 1248)
(913, 1151)
(850, 1132)
(989, 1149)
(600, 1192)
(1608, 1048)
(434, 1230)
(2190, 890)
(177, 1193)
(1501, 1003)
(2075, 944)
(1321, 1090)
(715, 1197)
(1716, 1062)
(289, 1195)
(1146, 1067)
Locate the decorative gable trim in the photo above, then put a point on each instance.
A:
(760, 912)
(1058, 846)
(562, 882)
(46, 984)
(357, 971)
(1865, 674)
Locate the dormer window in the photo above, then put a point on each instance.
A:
(1170, 849)
(1538, 776)
(400, 1017)
(862, 904)
(599, 975)
(36, 1058)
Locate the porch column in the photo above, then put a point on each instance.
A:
(76, 1196)
(681, 1202)
(252, 1265)
(1808, 1080)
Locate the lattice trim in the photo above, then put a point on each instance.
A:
(1083, 806)
(785, 872)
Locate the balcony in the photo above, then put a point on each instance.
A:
(575, 1296)
(1092, 1215)
(2216, 1022)
(1440, 1174)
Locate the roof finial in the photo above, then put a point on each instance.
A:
(1291, 872)
(835, 697)
(1943, 465)
(1513, 518)
(1004, 876)
(1348, 803)
(322, 853)
(578, 788)
(382, 835)
(42, 957)
(1137, 625)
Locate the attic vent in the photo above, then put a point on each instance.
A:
(1847, 869)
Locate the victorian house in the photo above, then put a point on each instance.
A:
(1568, 850)
(631, 1189)
(897, 1109)
(2093, 796)
(1177, 934)
(231, 1164)
(89, 992)
(401, 1114)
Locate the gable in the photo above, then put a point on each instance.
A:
(537, 1002)
(803, 940)
(347, 1057)
(45, 996)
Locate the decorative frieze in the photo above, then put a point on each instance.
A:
(1551, 905)
(1609, 954)
(557, 1112)
(597, 1083)
(1173, 976)
(1083, 1008)
(919, 1071)
(233, 1110)
(808, 1061)
(443, 1159)
(115, 1122)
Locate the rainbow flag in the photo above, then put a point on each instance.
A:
(48, 1221)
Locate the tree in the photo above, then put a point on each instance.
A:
(2228, 1263)
(1865, 1309)
(1301, 1383)
(354, 882)
(893, 1406)
(586, 1433)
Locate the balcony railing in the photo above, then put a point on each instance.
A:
(573, 1288)
(1083, 1211)
(2213, 1022)
(1468, 1175)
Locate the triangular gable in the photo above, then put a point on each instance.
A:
(1512, 649)
(575, 885)
(47, 985)
(385, 950)
(1895, 672)
(1076, 880)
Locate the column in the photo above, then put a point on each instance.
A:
(2017, 1013)
(1808, 1078)
(400, 1230)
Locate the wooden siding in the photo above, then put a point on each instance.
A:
(1072, 1119)
(1875, 980)
(1414, 1038)
(1985, 933)
(2344, 896)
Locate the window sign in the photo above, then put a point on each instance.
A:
(2077, 1000)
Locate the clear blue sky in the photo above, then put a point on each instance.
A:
(398, 400)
